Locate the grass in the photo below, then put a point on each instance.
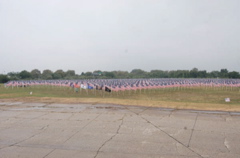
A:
(201, 98)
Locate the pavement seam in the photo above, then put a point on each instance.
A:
(192, 130)
(41, 131)
(144, 110)
(111, 137)
(167, 134)
(172, 137)
(49, 153)
(16, 144)
(72, 114)
(82, 128)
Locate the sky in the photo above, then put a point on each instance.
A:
(108, 35)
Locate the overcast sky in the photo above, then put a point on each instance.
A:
(107, 35)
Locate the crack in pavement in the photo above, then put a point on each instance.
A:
(83, 127)
(15, 144)
(192, 130)
(144, 110)
(170, 114)
(39, 116)
(42, 130)
(72, 114)
(172, 137)
(167, 134)
(44, 127)
(111, 137)
(49, 153)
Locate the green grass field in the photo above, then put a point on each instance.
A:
(202, 98)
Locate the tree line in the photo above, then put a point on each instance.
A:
(98, 74)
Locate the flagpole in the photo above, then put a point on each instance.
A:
(80, 89)
(87, 89)
(95, 90)
(103, 92)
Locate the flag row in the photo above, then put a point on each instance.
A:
(128, 84)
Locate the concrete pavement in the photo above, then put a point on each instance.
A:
(106, 131)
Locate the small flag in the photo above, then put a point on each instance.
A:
(98, 88)
(90, 87)
(83, 86)
(107, 89)
(227, 99)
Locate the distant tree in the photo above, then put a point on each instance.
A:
(214, 74)
(36, 74)
(224, 73)
(121, 74)
(59, 74)
(194, 73)
(14, 75)
(109, 74)
(185, 73)
(138, 73)
(156, 74)
(56, 76)
(135, 73)
(88, 74)
(171, 74)
(70, 73)
(4, 78)
(181, 74)
(202, 74)
(25, 74)
(233, 74)
(47, 74)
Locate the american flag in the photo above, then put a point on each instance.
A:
(131, 84)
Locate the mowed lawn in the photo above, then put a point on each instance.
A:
(201, 98)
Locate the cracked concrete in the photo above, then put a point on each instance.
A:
(104, 131)
(192, 131)
(173, 138)
(110, 138)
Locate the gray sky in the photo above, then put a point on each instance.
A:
(107, 35)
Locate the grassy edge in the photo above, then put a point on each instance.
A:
(131, 102)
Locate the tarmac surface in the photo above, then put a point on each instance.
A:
(104, 131)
